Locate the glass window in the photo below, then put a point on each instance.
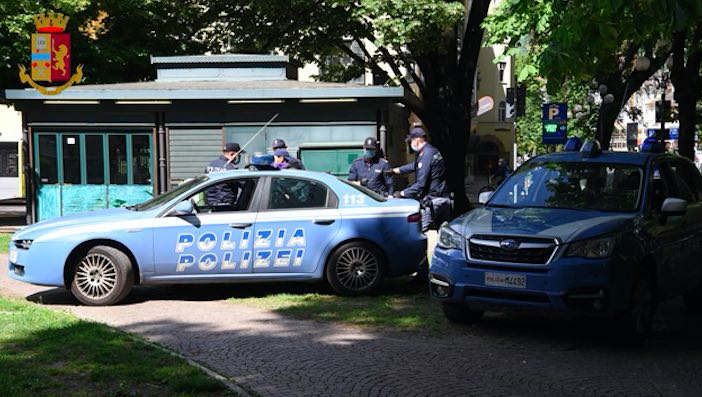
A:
(502, 111)
(141, 164)
(118, 159)
(227, 196)
(48, 163)
(171, 194)
(686, 181)
(71, 159)
(94, 160)
(288, 193)
(600, 187)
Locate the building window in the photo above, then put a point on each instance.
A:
(48, 164)
(501, 66)
(71, 159)
(94, 160)
(118, 159)
(502, 111)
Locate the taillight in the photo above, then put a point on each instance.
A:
(414, 218)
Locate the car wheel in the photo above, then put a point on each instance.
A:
(637, 322)
(355, 269)
(693, 299)
(104, 276)
(460, 313)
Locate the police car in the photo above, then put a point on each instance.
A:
(586, 232)
(278, 226)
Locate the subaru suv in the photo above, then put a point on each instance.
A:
(584, 233)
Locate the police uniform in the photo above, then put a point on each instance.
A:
(222, 194)
(374, 172)
(292, 161)
(430, 185)
(289, 161)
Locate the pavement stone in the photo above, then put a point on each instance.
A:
(514, 355)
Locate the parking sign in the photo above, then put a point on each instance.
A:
(554, 123)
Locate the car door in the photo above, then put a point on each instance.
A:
(689, 185)
(298, 221)
(667, 233)
(216, 241)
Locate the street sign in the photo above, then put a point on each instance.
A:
(554, 123)
(485, 104)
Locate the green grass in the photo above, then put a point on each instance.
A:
(49, 353)
(400, 306)
(4, 242)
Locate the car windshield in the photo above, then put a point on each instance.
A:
(584, 186)
(375, 196)
(167, 196)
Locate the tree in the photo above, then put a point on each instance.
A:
(685, 74)
(430, 47)
(597, 41)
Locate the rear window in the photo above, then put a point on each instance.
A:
(375, 196)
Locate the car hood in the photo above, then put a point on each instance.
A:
(82, 219)
(564, 224)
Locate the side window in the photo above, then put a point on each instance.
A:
(661, 186)
(289, 193)
(687, 175)
(683, 184)
(226, 196)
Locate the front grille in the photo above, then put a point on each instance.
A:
(527, 250)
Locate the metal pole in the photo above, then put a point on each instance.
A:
(160, 121)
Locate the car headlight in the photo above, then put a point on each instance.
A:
(23, 244)
(450, 239)
(601, 247)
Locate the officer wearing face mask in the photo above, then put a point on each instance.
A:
(371, 170)
(430, 187)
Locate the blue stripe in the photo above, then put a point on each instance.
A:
(41, 57)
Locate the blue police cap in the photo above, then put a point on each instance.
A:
(232, 147)
(278, 144)
(415, 132)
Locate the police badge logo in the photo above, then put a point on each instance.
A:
(51, 55)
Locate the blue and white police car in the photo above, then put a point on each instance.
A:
(587, 232)
(276, 226)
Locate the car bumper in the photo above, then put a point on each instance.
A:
(41, 264)
(408, 258)
(568, 286)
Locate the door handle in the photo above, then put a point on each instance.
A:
(323, 221)
(240, 225)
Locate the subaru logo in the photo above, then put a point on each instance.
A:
(509, 245)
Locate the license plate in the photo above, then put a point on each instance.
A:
(505, 280)
(13, 255)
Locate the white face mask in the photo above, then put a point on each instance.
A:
(414, 146)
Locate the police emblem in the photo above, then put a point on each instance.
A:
(51, 55)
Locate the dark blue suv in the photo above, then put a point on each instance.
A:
(588, 232)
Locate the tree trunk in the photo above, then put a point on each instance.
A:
(449, 130)
(687, 81)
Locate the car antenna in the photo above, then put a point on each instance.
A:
(241, 149)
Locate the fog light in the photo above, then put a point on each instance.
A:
(19, 270)
(441, 291)
(439, 288)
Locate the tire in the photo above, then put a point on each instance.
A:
(637, 322)
(104, 276)
(355, 269)
(460, 313)
(693, 299)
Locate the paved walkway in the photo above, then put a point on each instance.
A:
(504, 356)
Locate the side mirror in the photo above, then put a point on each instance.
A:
(483, 197)
(183, 208)
(674, 206)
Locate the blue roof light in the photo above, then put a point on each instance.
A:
(652, 145)
(573, 144)
(591, 149)
(262, 162)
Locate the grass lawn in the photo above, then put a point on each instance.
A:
(4, 242)
(400, 306)
(48, 353)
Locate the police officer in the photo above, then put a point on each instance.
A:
(294, 163)
(430, 186)
(283, 160)
(223, 194)
(229, 159)
(371, 170)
